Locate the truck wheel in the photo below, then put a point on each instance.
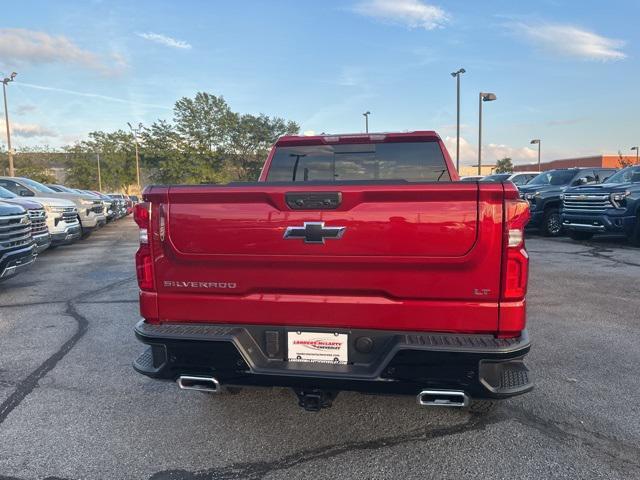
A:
(84, 233)
(552, 225)
(580, 236)
(482, 406)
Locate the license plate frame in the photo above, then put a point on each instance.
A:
(318, 347)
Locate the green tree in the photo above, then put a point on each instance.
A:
(251, 139)
(82, 167)
(117, 161)
(203, 122)
(33, 162)
(208, 143)
(167, 158)
(504, 165)
(205, 143)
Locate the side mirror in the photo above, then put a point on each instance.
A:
(27, 193)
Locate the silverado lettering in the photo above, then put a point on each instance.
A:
(423, 295)
(177, 284)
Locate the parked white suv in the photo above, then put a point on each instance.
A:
(61, 216)
(90, 210)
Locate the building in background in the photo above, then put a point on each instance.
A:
(606, 161)
(472, 170)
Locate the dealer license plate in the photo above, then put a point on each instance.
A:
(317, 347)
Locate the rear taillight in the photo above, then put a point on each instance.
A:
(515, 268)
(142, 214)
(144, 268)
(144, 258)
(516, 260)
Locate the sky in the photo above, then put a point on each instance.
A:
(566, 72)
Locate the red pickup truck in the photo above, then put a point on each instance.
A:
(356, 262)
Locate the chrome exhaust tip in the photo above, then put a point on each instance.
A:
(201, 384)
(443, 398)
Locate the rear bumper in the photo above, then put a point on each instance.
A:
(14, 261)
(598, 223)
(398, 362)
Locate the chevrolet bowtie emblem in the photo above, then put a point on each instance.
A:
(314, 232)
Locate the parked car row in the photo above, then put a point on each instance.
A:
(517, 178)
(34, 217)
(583, 202)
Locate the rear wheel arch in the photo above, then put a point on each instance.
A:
(552, 204)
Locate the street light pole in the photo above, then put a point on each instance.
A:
(99, 176)
(536, 141)
(483, 97)
(5, 81)
(366, 120)
(135, 139)
(457, 77)
(637, 149)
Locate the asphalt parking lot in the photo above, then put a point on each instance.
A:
(71, 406)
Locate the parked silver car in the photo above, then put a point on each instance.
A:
(90, 210)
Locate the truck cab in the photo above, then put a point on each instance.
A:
(612, 207)
(543, 194)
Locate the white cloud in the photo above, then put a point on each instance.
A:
(164, 40)
(490, 152)
(28, 130)
(411, 13)
(493, 152)
(24, 109)
(571, 41)
(20, 46)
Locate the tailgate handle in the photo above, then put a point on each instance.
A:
(313, 200)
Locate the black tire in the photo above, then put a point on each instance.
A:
(84, 232)
(580, 236)
(634, 237)
(482, 407)
(551, 223)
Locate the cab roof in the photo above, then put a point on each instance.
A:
(346, 138)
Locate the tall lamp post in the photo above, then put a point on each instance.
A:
(366, 121)
(456, 75)
(5, 81)
(536, 141)
(99, 174)
(135, 139)
(637, 149)
(483, 97)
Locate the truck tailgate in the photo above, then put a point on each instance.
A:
(409, 256)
